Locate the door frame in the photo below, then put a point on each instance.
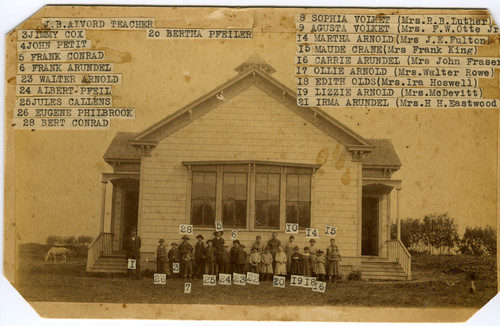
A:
(377, 200)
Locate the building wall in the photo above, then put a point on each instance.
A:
(251, 126)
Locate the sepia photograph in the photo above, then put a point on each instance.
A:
(253, 163)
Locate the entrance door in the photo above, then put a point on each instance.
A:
(369, 226)
(130, 213)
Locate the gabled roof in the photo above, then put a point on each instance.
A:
(383, 155)
(121, 149)
(126, 146)
(253, 72)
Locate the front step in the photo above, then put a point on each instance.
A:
(110, 264)
(380, 269)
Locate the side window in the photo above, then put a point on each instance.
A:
(298, 199)
(203, 192)
(267, 200)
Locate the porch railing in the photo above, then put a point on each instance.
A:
(101, 246)
(399, 254)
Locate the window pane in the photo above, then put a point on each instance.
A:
(240, 214)
(260, 213)
(261, 187)
(292, 212)
(274, 187)
(292, 185)
(209, 208)
(210, 185)
(197, 188)
(228, 186)
(304, 187)
(197, 212)
(274, 214)
(305, 214)
(240, 187)
(228, 213)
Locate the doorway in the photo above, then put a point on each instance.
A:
(370, 226)
(130, 213)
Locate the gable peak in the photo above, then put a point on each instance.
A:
(255, 61)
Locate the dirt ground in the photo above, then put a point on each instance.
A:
(431, 287)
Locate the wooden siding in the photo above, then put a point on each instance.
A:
(252, 126)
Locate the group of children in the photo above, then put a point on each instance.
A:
(213, 257)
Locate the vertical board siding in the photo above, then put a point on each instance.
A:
(250, 126)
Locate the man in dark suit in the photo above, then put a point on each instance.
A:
(133, 246)
(218, 243)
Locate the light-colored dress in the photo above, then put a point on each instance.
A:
(280, 263)
(266, 263)
(320, 265)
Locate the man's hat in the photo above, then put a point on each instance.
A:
(236, 241)
(221, 232)
(185, 237)
(200, 236)
(173, 244)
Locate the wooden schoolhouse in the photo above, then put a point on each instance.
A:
(247, 155)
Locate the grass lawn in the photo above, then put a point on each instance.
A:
(436, 284)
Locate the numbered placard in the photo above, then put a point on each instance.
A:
(239, 279)
(218, 226)
(279, 281)
(309, 282)
(160, 278)
(131, 263)
(253, 278)
(234, 234)
(319, 287)
(176, 268)
(296, 280)
(186, 229)
(225, 279)
(330, 231)
(291, 228)
(209, 279)
(312, 233)
(187, 287)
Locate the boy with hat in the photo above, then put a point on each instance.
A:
(218, 243)
(173, 257)
(199, 257)
(186, 251)
(161, 257)
(210, 255)
(233, 256)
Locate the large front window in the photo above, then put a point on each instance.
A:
(203, 193)
(267, 201)
(234, 199)
(298, 199)
(250, 195)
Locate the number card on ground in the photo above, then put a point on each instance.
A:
(239, 279)
(330, 230)
(319, 287)
(234, 234)
(253, 278)
(187, 287)
(160, 278)
(218, 226)
(279, 281)
(186, 229)
(175, 267)
(209, 279)
(292, 228)
(225, 279)
(309, 282)
(131, 264)
(296, 280)
(312, 233)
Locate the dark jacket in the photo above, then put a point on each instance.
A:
(174, 255)
(133, 247)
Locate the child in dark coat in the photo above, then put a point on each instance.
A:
(161, 257)
(174, 258)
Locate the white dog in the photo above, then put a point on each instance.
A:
(55, 251)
